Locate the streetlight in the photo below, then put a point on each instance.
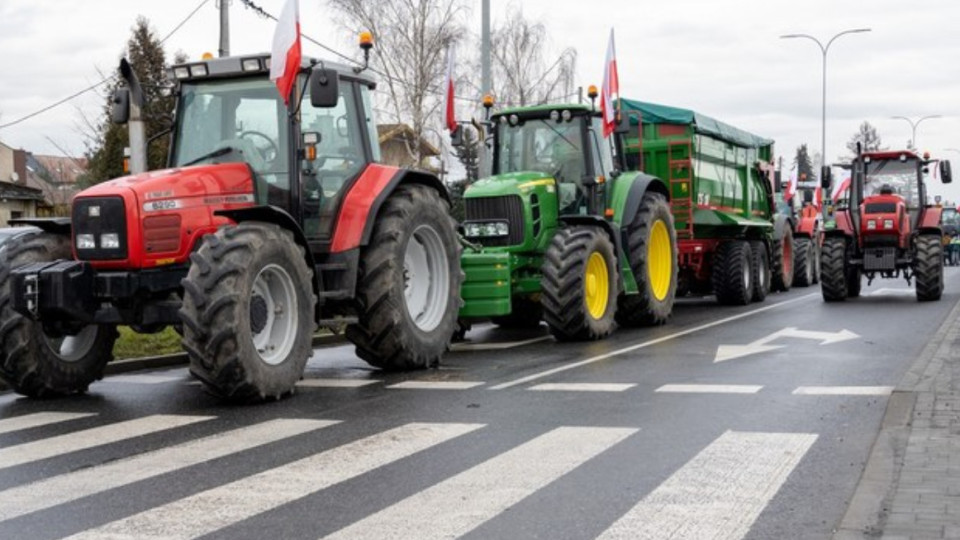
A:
(913, 126)
(823, 120)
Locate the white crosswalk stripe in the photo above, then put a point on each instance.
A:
(456, 506)
(28, 421)
(68, 487)
(720, 492)
(709, 389)
(219, 507)
(20, 454)
(843, 391)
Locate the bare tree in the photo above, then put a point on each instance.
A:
(413, 37)
(523, 73)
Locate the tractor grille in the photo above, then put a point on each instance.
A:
(508, 208)
(99, 216)
(880, 259)
(880, 208)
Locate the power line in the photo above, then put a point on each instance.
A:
(102, 81)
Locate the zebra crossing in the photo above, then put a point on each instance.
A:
(722, 490)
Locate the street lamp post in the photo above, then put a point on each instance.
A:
(823, 118)
(913, 127)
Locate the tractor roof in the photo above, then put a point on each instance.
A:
(260, 63)
(543, 110)
(652, 113)
(891, 154)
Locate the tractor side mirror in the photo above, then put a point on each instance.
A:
(120, 111)
(826, 177)
(777, 182)
(324, 88)
(946, 176)
(623, 125)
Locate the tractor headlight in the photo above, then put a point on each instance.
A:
(486, 229)
(871, 225)
(86, 241)
(109, 241)
(888, 224)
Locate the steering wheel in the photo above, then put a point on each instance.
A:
(268, 152)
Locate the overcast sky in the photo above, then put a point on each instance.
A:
(723, 58)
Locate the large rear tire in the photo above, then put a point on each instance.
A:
(803, 260)
(782, 261)
(732, 273)
(408, 288)
(652, 253)
(928, 268)
(580, 284)
(834, 278)
(36, 363)
(760, 268)
(248, 312)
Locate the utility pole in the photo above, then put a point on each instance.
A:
(486, 83)
(224, 28)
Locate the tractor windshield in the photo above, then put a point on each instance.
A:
(950, 217)
(546, 146)
(234, 121)
(901, 176)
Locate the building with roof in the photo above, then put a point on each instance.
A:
(395, 141)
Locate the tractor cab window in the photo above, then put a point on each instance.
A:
(900, 176)
(950, 217)
(553, 148)
(341, 156)
(602, 154)
(236, 121)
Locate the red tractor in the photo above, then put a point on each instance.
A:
(270, 221)
(887, 229)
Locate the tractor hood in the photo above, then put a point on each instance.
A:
(177, 184)
(515, 183)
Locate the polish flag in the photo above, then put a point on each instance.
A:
(450, 116)
(818, 197)
(840, 189)
(611, 86)
(285, 56)
(791, 187)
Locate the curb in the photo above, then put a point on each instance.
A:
(867, 512)
(180, 359)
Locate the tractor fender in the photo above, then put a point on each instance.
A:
(780, 222)
(931, 218)
(640, 186)
(362, 202)
(276, 216)
(807, 226)
(58, 225)
(594, 221)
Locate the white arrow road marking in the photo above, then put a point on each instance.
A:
(729, 352)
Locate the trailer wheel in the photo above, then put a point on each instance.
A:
(732, 273)
(803, 262)
(37, 363)
(782, 261)
(760, 268)
(408, 288)
(524, 314)
(248, 312)
(652, 253)
(834, 280)
(580, 284)
(928, 268)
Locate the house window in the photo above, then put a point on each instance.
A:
(16, 214)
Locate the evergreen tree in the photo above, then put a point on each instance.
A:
(804, 164)
(468, 153)
(105, 148)
(867, 135)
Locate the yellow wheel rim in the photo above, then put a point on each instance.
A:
(659, 261)
(597, 285)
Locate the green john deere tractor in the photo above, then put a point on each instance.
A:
(563, 232)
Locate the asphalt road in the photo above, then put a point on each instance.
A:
(644, 435)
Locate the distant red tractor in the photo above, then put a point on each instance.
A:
(269, 221)
(887, 230)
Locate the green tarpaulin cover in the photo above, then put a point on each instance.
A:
(653, 113)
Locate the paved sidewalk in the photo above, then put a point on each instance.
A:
(911, 485)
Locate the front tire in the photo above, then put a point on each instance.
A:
(804, 254)
(35, 362)
(248, 312)
(834, 279)
(408, 287)
(652, 253)
(761, 271)
(580, 285)
(928, 269)
(732, 273)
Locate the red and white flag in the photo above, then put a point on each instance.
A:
(840, 189)
(818, 197)
(791, 187)
(285, 55)
(449, 107)
(611, 86)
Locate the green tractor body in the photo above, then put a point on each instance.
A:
(561, 229)
(721, 196)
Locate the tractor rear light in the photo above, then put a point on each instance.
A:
(198, 70)
(251, 64)
(888, 224)
(109, 241)
(181, 72)
(86, 241)
(871, 225)
(161, 234)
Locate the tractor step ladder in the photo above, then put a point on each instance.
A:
(679, 152)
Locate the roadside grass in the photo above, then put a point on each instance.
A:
(134, 345)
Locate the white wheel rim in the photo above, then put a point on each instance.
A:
(72, 348)
(275, 340)
(426, 277)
